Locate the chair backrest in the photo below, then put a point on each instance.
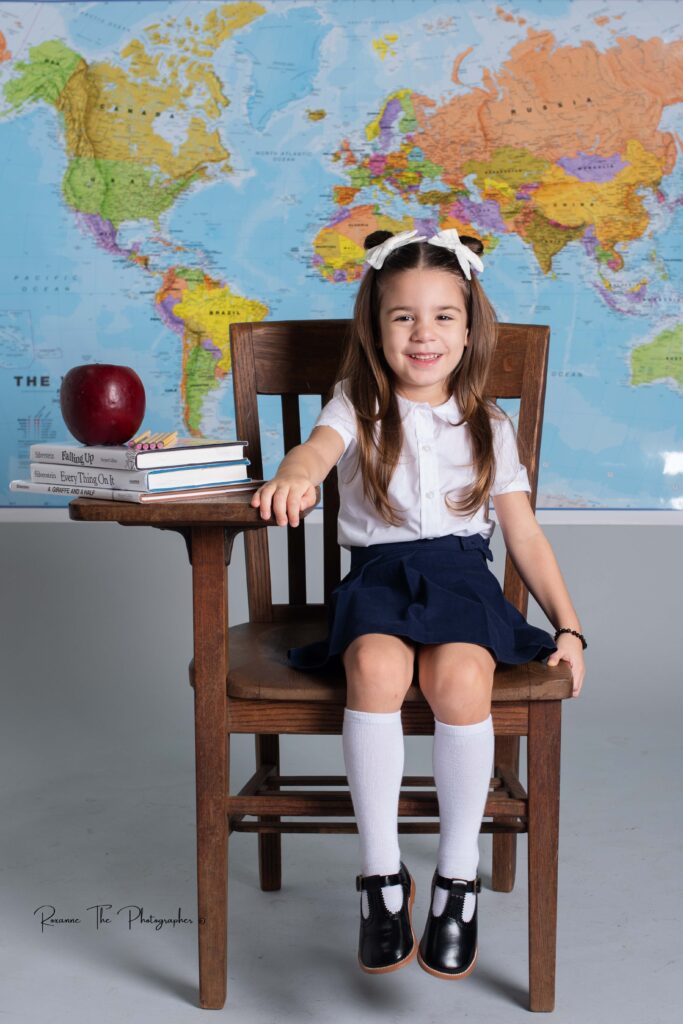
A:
(301, 357)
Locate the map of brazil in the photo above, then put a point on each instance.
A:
(170, 168)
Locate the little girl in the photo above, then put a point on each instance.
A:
(419, 450)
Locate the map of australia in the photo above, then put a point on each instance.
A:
(178, 167)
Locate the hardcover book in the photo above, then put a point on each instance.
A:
(112, 494)
(187, 451)
(149, 480)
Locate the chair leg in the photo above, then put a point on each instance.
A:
(269, 843)
(211, 760)
(543, 757)
(504, 845)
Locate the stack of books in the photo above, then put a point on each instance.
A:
(188, 468)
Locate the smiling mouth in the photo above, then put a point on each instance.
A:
(425, 359)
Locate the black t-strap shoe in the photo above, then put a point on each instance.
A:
(387, 940)
(448, 947)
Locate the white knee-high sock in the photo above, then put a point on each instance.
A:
(373, 757)
(463, 762)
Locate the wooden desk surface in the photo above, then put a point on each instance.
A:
(230, 510)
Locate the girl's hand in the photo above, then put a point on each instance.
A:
(570, 648)
(288, 496)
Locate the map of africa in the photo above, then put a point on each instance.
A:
(171, 168)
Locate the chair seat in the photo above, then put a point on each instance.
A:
(259, 669)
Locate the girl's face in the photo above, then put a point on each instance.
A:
(422, 312)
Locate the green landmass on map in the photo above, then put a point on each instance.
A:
(659, 359)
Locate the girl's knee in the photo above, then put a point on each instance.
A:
(458, 694)
(447, 667)
(379, 672)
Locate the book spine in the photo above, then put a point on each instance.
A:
(77, 455)
(75, 476)
(74, 492)
(200, 486)
(197, 493)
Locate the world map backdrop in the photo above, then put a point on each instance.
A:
(169, 168)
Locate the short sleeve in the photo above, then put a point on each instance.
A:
(339, 414)
(511, 475)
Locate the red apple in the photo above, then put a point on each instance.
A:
(102, 403)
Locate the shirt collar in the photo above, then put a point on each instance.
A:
(444, 412)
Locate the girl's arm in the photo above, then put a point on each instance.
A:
(535, 562)
(292, 489)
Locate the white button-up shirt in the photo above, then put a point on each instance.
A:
(432, 464)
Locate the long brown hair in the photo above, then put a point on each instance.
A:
(369, 378)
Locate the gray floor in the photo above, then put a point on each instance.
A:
(97, 807)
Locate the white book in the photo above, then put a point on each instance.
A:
(186, 451)
(149, 480)
(111, 494)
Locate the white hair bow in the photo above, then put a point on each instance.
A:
(449, 239)
(377, 255)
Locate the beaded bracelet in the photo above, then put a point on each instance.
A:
(565, 629)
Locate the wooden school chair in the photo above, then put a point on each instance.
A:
(266, 697)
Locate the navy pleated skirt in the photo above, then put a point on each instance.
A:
(429, 592)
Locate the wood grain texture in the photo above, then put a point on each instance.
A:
(259, 669)
(209, 584)
(543, 825)
(301, 804)
(231, 509)
(321, 718)
(506, 804)
(350, 828)
(504, 859)
(269, 842)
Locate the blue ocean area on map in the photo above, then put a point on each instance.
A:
(239, 248)
(244, 238)
(104, 23)
(282, 75)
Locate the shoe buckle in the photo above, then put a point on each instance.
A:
(456, 885)
(470, 887)
(374, 882)
(473, 886)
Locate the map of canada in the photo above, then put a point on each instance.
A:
(176, 167)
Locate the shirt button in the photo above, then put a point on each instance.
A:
(430, 494)
(425, 448)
